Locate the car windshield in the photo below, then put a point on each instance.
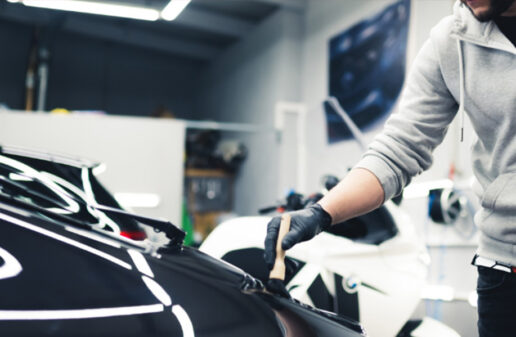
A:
(62, 189)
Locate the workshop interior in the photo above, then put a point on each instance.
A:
(146, 144)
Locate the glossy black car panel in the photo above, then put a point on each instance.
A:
(73, 282)
(70, 183)
(60, 276)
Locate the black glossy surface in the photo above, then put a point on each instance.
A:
(373, 228)
(78, 280)
(219, 299)
(251, 261)
(31, 188)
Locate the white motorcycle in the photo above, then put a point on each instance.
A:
(371, 268)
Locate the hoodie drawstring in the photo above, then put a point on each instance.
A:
(462, 89)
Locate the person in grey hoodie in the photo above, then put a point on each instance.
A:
(467, 66)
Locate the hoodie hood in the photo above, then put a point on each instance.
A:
(466, 25)
(467, 28)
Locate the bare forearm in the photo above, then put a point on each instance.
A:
(358, 193)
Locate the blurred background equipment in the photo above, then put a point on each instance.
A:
(452, 207)
(211, 167)
(206, 150)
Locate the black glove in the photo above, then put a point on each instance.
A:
(304, 225)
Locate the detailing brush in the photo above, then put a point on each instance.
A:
(277, 275)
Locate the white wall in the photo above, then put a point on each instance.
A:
(325, 19)
(243, 86)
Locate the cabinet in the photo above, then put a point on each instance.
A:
(209, 194)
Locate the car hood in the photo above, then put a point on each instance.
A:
(78, 282)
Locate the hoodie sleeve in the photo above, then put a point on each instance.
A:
(404, 148)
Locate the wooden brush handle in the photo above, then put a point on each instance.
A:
(278, 271)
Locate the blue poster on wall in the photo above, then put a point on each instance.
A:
(367, 69)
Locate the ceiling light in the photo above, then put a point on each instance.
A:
(89, 7)
(138, 200)
(173, 9)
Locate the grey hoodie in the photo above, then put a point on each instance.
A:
(465, 66)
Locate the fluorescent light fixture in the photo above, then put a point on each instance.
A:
(173, 9)
(184, 321)
(11, 266)
(157, 291)
(99, 169)
(138, 200)
(30, 315)
(66, 240)
(19, 177)
(131, 12)
(140, 262)
(92, 236)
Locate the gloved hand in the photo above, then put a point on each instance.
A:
(304, 225)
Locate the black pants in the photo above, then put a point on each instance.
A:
(496, 303)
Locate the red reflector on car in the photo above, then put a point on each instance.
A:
(134, 235)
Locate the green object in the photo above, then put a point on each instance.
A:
(186, 224)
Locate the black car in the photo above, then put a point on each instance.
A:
(69, 182)
(62, 275)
